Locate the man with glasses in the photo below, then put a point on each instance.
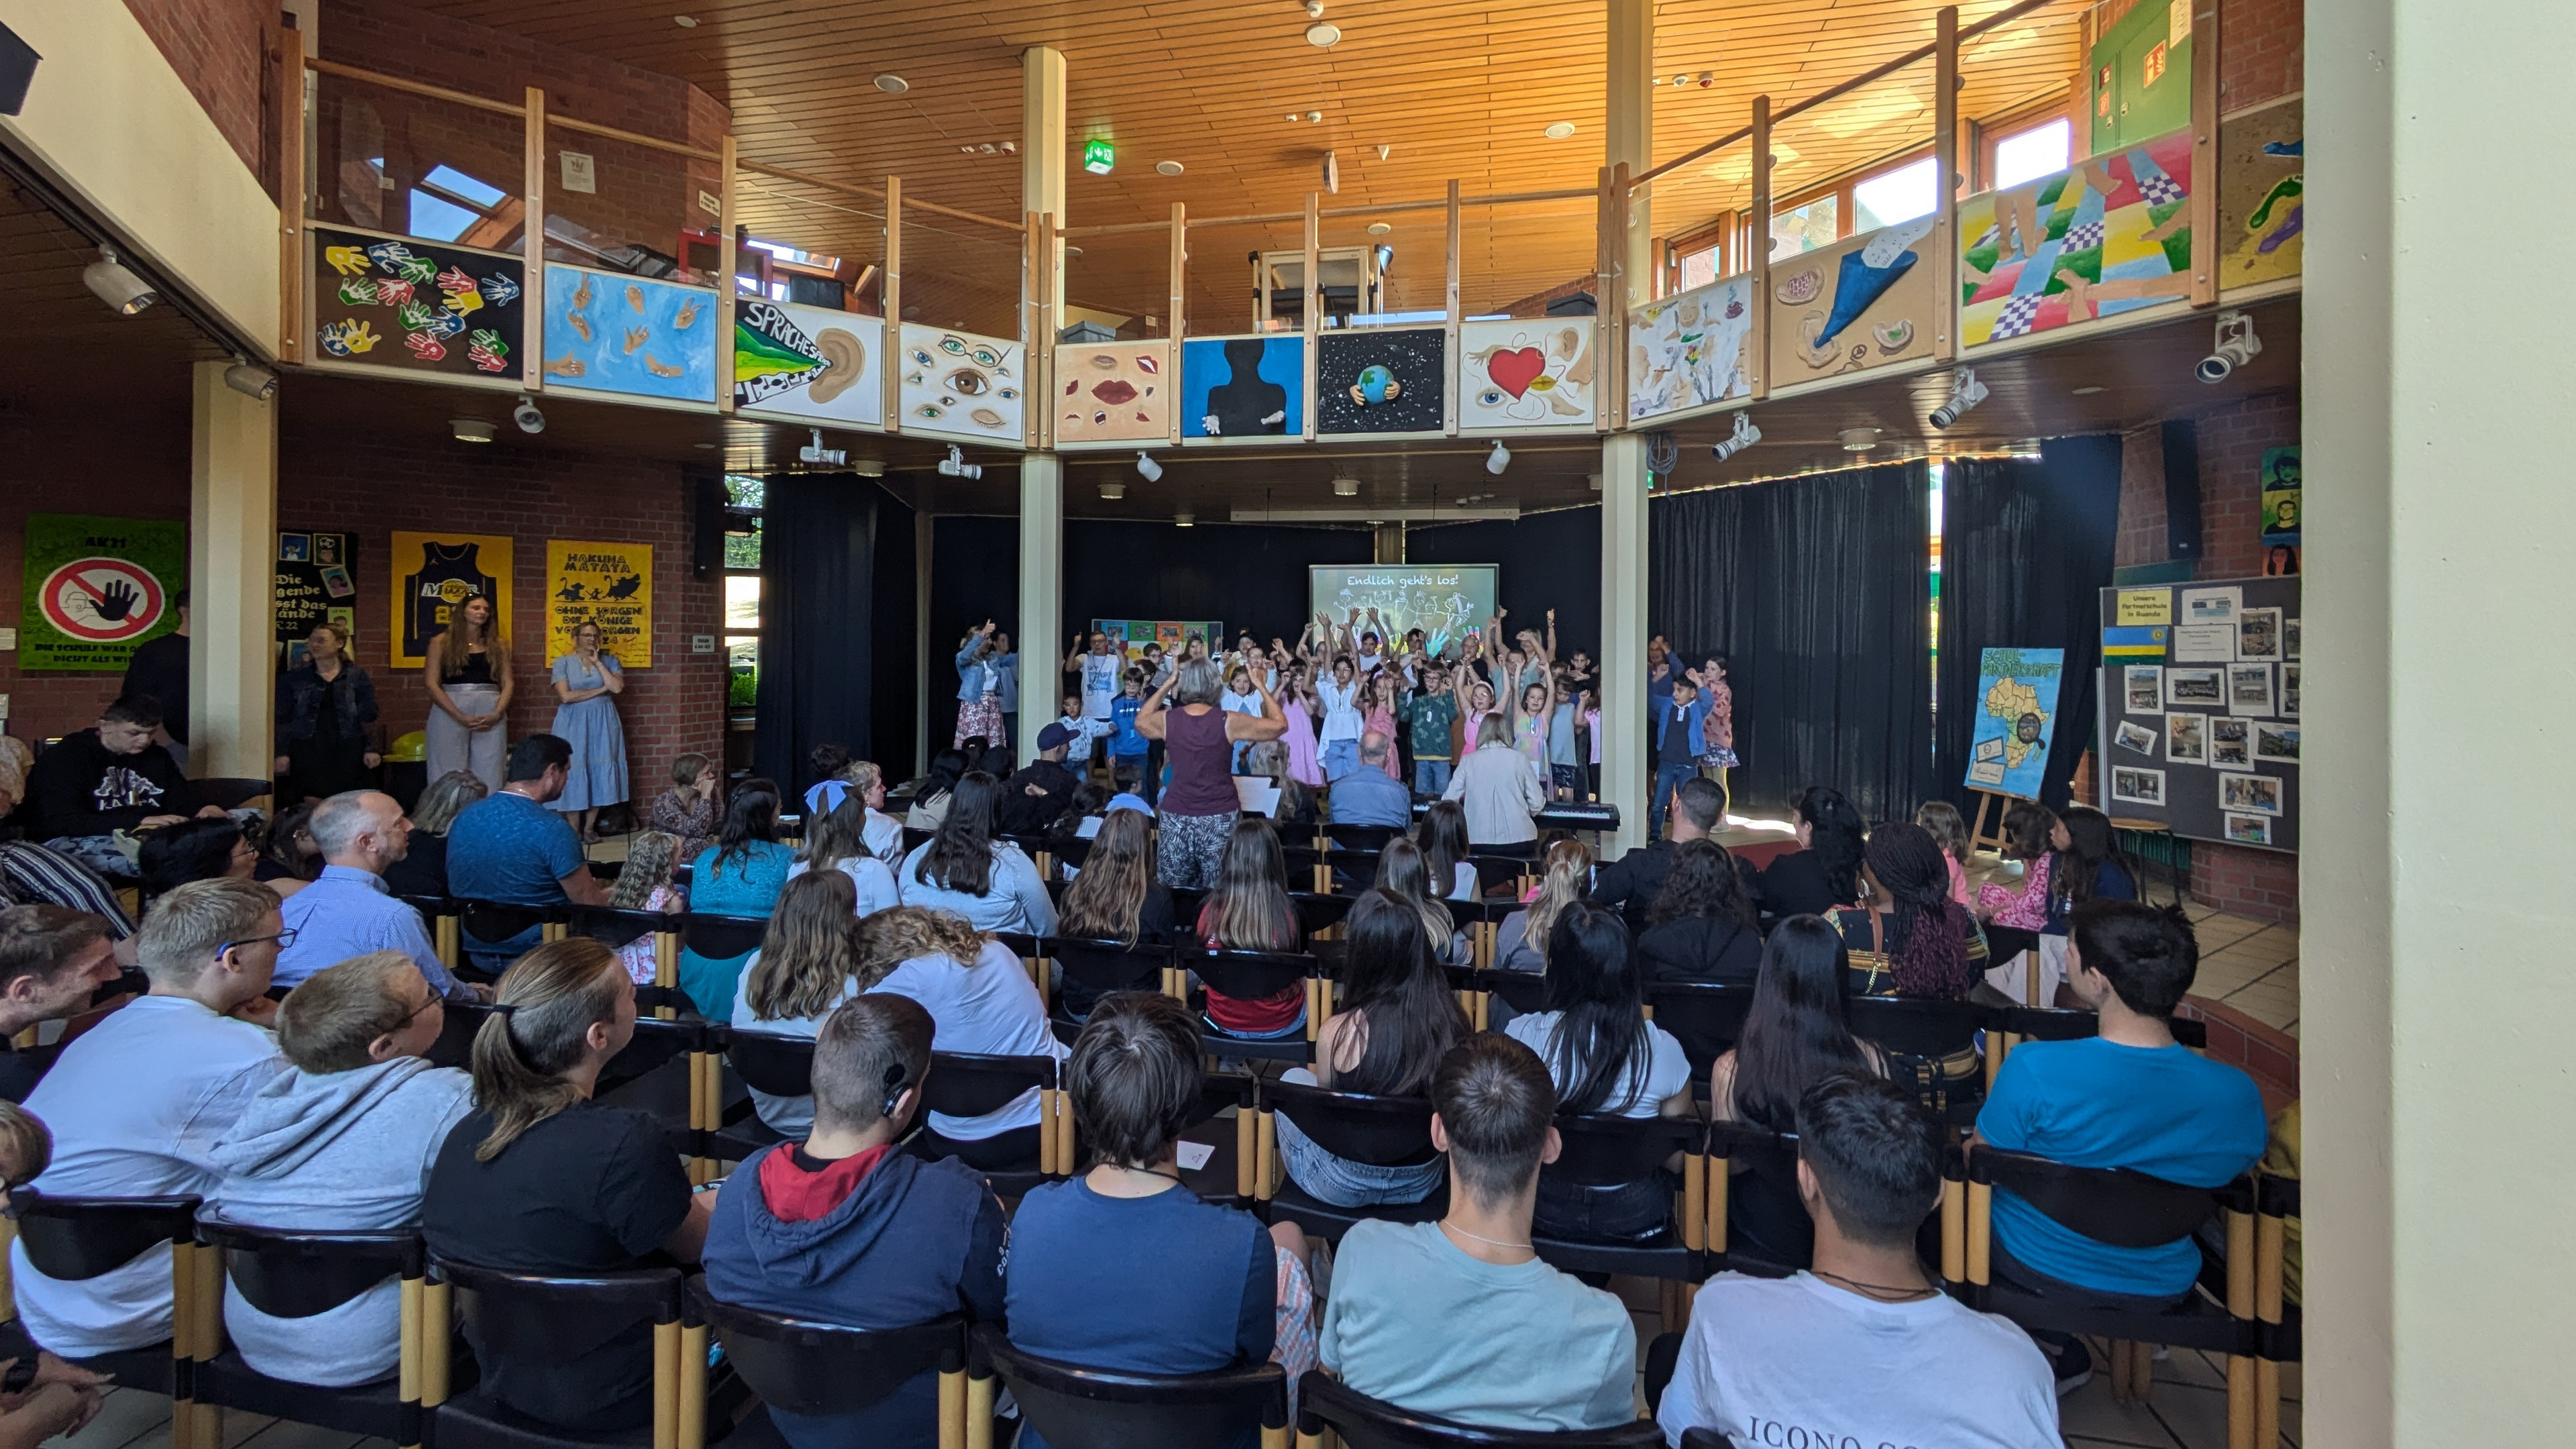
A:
(139, 1101)
(346, 912)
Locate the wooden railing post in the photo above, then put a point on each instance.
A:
(532, 241)
(1760, 250)
(1172, 326)
(725, 287)
(890, 298)
(1613, 306)
(291, 202)
(1945, 156)
(1312, 312)
(1606, 343)
(1449, 409)
(2205, 252)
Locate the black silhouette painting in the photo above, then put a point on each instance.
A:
(1381, 382)
(1243, 387)
(625, 588)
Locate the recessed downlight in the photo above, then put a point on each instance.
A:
(1560, 130)
(1323, 33)
(2086, 391)
(1379, 228)
(685, 22)
(892, 84)
(1168, 168)
(470, 430)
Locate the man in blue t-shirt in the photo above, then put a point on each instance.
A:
(509, 849)
(2128, 1097)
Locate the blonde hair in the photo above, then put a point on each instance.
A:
(446, 798)
(553, 996)
(26, 1146)
(1568, 880)
(649, 862)
(338, 631)
(907, 933)
(1948, 828)
(810, 951)
(863, 776)
(190, 923)
(327, 1022)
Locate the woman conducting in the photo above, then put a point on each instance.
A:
(1199, 806)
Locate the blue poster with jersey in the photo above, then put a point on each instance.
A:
(2016, 705)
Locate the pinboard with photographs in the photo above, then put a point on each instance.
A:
(2200, 709)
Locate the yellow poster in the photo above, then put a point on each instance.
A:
(609, 584)
(2146, 606)
(434, 574)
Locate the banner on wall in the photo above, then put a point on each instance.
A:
(317, 583)
(2016, 706)
(96, 587)
(434, 574)
(1132, 635)
(609, 584)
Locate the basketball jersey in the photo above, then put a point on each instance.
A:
(447, 577)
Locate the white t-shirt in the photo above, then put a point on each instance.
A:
(1341, 714)
(137, 1106)
(1100, 674)
(1014, 898)
(1667, 1069)
(1765, 1353)
(873, 877)
(990, 1009)
(884, 837)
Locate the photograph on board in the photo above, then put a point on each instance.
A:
(2195, 686)
(2258, 794)
(2146, 688)
(2138, 787)
(2278, 743)
(2135, 737)
(2231, 743)
(2249, 689)
(2248, 829)
(2187, 739)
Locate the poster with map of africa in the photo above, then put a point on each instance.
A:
(2016, 704)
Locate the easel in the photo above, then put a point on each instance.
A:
(2002, 805)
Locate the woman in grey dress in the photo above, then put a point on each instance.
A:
(586, 716)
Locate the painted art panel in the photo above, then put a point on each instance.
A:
(1534, 372)
(93, 588)
(2110, 236)
(2261, 172)
(1114, 392)
(1858, 304)
(433, 575)
(415, 306)
(1244, 387)
(962, 385)
(316, 583)
(608, 332)
(808, 362)
(608, 584)
(1690, 349)
(2016, 706)
(1391, 380)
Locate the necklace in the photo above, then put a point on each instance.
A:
(1488, 1242)
(1881, 1291)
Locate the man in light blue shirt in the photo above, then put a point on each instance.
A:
(1369, 795)
(346, 912)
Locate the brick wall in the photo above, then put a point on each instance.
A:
(219, 48)
(2259, 51)
(2242, 881)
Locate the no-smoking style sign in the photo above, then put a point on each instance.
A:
(96, 587)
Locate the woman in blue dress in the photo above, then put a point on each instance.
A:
(740, 875)
(586, 715)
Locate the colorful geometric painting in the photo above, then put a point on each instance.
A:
(1689, 349)
(2261, 172)
(1525, 373)
(414, 306)
(609, 332)
(1861, 303)
(962, 385)
(2110, 236)
(1244, 387)
(1392, 380)
(1113, 392)
(809, 363)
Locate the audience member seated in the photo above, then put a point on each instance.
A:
(343, 1142)
(1115, 898)
(202, 849)
(985, 1004)
(1123, 1268)
(967, 871)
(1865, 1348)
(509, 849)
(1459, 1318)
(808, 963)
(541, 1179)
(52, 961)
(58, 1398)
(107, 778)
(1443, 838)
(289, 858)
(1032, 799)
(1250, 911)
(1949, 830)
(843, 1228)
(825, 762)
(647, 883)
(838, 840)
(1369, 795)
(1631, 883)
(1520, 943)
(346, 912)
(740, 874)
(1702, 925)
(1269, 761)
(938, 787)
(16, 759)
(138, 1102)
(2014, 916)
(31, 875)
(689, 810)
(1824, 871)
(1403, 870)
(1499, 792)
(1795, 1035)
(422, 871)
(2089, 866)
(883, 833)
(2127, 1097)
(1397, 1019)
(1910, 939)
(1605, 1058)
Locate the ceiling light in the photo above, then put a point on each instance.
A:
(1113, 491)
(1965, 393)
(815, 452)
(2236, 346)
(1859, 440)
(1148, 469)
(1592, 481)
(469, 430)
(1314, 9)
(892, 84)
(525, 414)
(1323, 33)
(1168, 168)
(1744, 436)
(2086, 391)
(1346, 488)
(1379, 228)
(1560, 130)
(1315, 118)
(1185, 519)
(1681, 79)
(869, 467)
(956, 466)
(117, 287)
(1499, 459)
(685, 22)
(1099, 156)
(704, 447)
(1707, 78)
(250, 380)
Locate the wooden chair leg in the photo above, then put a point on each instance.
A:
(2241, 1415)
(2119, 1372)
(693, 1386)
(1247, 1141)
(2142, 1370)
(952, 1410)
(979, 1412)
(666, 1385)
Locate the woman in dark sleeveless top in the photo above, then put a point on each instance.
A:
(1199, 806)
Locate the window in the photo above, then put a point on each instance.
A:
(1805, 228)
(744, 499)
(447, 203)
(1699, 268)
(1903, 194)
(2042, 150)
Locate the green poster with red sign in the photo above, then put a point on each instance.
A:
(96, 587)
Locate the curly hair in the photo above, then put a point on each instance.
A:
(1933, 961)
(1703, 883)
(898, 934)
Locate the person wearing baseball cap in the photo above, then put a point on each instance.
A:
(1033, 798)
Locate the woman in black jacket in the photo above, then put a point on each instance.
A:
(1824, 871)
(326, 710)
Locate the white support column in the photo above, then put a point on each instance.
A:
(1628, 66)
(1040, 634)
(232, 540)
(1042, 157)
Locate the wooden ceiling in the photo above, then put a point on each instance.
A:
(1462, 89)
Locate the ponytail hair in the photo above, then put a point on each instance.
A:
(549, 1000)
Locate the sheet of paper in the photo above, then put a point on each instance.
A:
(1258, 795)
(1195, 1155)
(2212, 606)
(1089, 828)
(2205, 643)
(2146, 606)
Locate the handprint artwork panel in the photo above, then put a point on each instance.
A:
(406, 305)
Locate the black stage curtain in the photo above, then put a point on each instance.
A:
(818, 647)
(1548, 561)
(892, 623)
(974, 576)
(2026, 548)
(1818, 590)
(1246, 576)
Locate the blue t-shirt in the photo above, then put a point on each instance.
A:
(1166, 1284)
(510, 850)
(1122, 713)
(2167, 1112)
(1560, 735)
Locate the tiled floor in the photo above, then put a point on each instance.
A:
(138, 1419)
(2186, 1410)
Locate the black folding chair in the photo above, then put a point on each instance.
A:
(1499, 870)
(1080, 1408)
(2277, 1324)
(1705, 1017)
(1524, 991)
(1096, 968)
(1319, 913)
(74, 1239)
(2008, 1027)
(1361, 839)
(815, 1369)
(915, 839)
(722, 938)
(1606, 1151)
(1361, 1127)
(1928, 1038)
(485, 924)
(620, 928)
(970, 1084)
(296, 1274)
(1257, 976)
(1773, 1155)
(1705, 1439)
(445, 921)
(1227, 1175)
(540, 1321)
(1324, 1402)
(772, 1062)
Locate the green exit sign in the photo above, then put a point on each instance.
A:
(1099, 156)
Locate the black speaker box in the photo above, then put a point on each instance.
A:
(2182, 488)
